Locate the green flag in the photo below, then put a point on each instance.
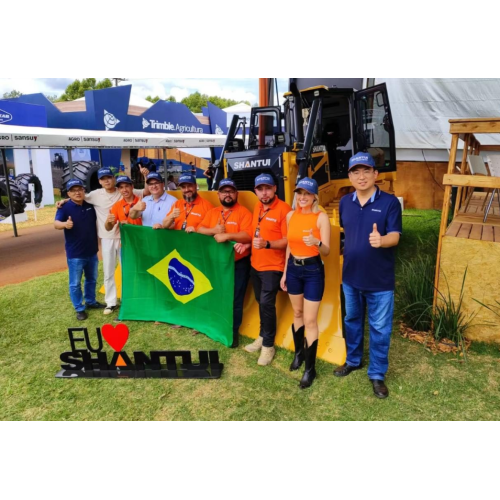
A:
(180, 278)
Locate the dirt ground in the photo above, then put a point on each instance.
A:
(35, 252)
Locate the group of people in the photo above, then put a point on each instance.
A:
(277, 247)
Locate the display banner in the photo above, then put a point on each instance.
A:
(180, 278)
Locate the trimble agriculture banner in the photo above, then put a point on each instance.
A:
(180, 278)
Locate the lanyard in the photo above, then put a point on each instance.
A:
(184, 224)
(224, 219)
(257, 229)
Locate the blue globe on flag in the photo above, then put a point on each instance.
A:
(110, 121)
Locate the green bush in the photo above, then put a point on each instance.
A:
(449, 319)
(415, 291)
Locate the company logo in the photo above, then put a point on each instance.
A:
(91, 361)
(375, 210)
(5, 116)
(91, 139)
(25, 138)
(240, 165)
(170, 127)
(4, 137)
(74, 139)
(218, 130)
(184, 281)
(142, 141)
(306, 182)
(110, 121)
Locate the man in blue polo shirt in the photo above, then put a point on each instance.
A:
(372, 225)
(78, 219)
(153, 209)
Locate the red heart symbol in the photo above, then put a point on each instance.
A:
(115, 336)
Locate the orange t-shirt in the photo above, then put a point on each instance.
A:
(236, 219)
(272, 227)
(121, 210)
(194, 212)
(300, 225)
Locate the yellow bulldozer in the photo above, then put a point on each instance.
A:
(317, 132)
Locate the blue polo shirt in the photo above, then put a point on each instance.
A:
(156, 211)
(365, 267)
(81, 240)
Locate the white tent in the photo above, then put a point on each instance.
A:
(37, 137)
(421, 108)
(241, 109)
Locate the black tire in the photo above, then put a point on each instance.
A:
(23, 180)
(86, 171)
(17, 198)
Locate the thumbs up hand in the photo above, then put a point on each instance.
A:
(112, 219)
(69, 223)
(176, 212)
(375, 237)
(140, 206)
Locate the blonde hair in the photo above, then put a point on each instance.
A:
(314, 207)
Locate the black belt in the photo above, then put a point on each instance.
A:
(306, 262)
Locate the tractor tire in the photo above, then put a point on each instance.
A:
(18, 202)
(86, 171)
(23, 181)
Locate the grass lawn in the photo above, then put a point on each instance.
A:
(34, 317)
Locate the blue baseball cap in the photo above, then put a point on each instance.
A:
(103, 172)
(264, 179)
(123, 178)
(187, 179)
(74, 182)
(155, 176)
(361, 158)
(227, 182)
(308, 184)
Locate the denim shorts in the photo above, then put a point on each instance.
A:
(308, 280)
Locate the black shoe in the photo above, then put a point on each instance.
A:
(380, 389)
(95, 305)
(345, 369)
(81, 315)
(236, 341)
(310, 359)
(298, 340)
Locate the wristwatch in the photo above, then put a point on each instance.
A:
(320, 243)
(268, 245)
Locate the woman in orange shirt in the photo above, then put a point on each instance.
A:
(304, 276)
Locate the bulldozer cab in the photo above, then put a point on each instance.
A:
(319, 130)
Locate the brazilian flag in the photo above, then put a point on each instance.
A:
(180, 278)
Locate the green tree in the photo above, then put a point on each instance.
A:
(197, 101)
(77, 89)
(152, 99)
(52, 97)
(171, 99)
(12, 94)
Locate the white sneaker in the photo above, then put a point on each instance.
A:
(255, 345)
(266, 356)
(109, 309)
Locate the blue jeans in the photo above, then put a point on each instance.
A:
(78, 267)
(380, 311)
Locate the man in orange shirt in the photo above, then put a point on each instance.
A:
(120, 211)
(232, 222)
(269, 231)
(187, 214)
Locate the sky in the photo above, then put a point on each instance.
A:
(238, 89)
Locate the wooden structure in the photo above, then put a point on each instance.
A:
(469, 242)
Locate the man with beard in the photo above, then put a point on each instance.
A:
(269, 231)
(120, 211)
(188, 213)
(232, 222)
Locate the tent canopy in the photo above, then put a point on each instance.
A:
(18, 137)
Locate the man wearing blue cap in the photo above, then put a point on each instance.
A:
(156, 206)
(78, 220)
(188, 213)
(103, 199)
(232, 222)
(372, 223)
(267, 259)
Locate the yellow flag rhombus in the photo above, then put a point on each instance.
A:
(201, 283)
